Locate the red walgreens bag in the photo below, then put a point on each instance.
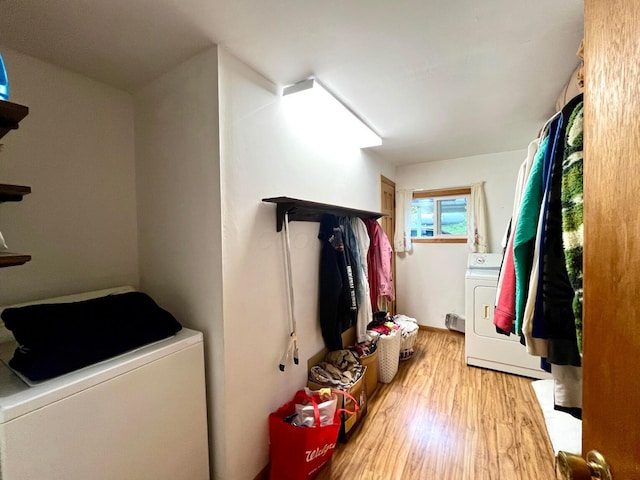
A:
(298, 453)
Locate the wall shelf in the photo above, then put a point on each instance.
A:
(306, 211)
(13, 193)
(8, 259)
(10, 116)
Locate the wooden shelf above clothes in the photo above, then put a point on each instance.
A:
(8, 259)
(13, 193)
(306, 211)
(10, 116)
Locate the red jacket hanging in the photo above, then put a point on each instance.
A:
(379, 264)
(505, 313)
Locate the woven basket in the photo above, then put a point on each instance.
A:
(406, 346)
(388, 356)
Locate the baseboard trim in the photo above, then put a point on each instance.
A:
(427, 328)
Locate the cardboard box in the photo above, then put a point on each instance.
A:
(371, 381)
(350, 422)
(358, 391)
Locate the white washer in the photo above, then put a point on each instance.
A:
(484, 347)
(141, 415)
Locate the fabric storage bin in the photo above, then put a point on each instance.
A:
(388, 356)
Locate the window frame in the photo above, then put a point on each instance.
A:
(442, 194)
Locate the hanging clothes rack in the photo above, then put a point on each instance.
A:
(293, 209)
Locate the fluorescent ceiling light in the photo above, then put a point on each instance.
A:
(327, 116)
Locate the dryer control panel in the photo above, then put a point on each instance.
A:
(484, 260)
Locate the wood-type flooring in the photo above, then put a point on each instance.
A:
(442, 420)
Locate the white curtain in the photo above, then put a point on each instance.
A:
(477, 237)
(402, 236)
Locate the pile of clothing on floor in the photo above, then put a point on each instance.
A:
(340, 369)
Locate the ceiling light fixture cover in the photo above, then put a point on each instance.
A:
(327, 115)
(4, 81)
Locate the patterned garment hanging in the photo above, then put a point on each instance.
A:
(572, 211)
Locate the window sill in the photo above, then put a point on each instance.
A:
(438, 240)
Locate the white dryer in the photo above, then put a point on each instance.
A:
(484, 347)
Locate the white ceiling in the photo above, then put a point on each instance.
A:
(435, 78)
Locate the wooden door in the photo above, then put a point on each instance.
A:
(611, 393)
(388, 222)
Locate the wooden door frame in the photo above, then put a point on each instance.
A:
(391, 183)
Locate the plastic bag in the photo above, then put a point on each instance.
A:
(326, 408)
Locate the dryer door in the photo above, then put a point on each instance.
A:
(484, 299)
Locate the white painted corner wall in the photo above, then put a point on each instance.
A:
(75, 150)
(431, 278)
(179, 214)
(263, 156)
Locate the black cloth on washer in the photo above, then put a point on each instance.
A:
(58, 338)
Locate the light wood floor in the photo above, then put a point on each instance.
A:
(442, 420)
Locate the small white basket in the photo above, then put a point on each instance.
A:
(388, 356)
(406, 346)
(409, 328)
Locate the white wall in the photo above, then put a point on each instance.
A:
(431, 278)
(76, 150)
(263, 156)
(208, 248)
(178, 185)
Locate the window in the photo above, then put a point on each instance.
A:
(440, 215)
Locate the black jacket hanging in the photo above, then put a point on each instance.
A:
(337, 310)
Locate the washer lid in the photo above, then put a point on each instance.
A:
(17, 398)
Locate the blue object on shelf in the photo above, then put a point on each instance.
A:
(4, 81)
